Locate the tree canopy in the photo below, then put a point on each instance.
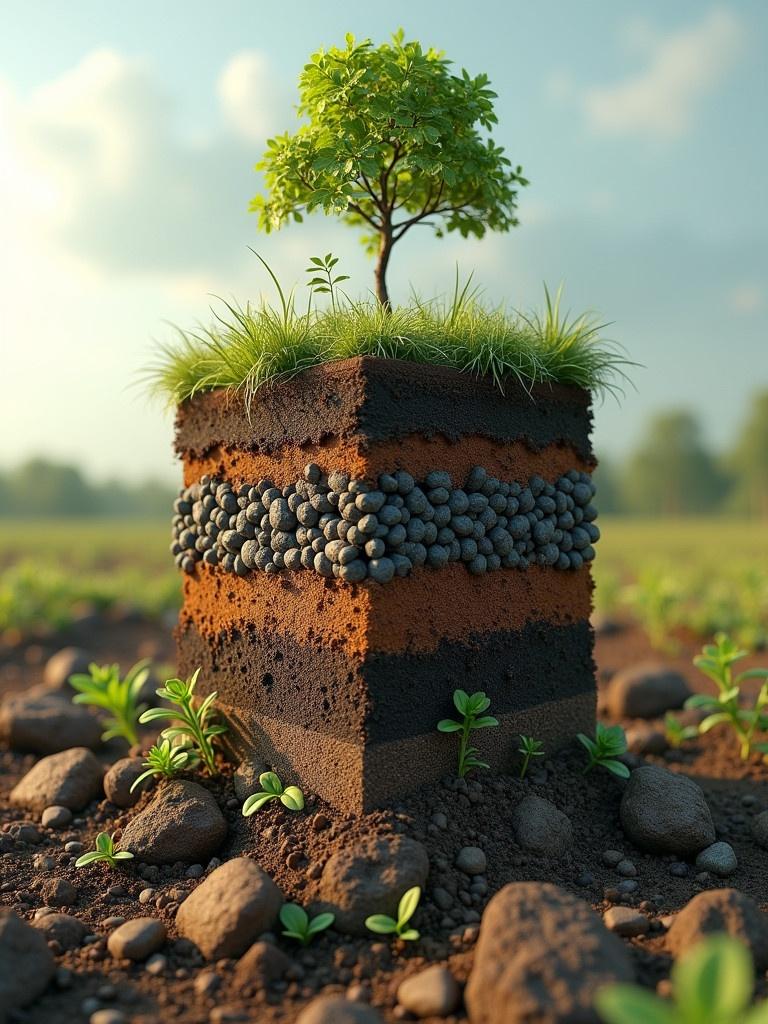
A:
(392, 139)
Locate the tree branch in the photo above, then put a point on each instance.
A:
(361, 213)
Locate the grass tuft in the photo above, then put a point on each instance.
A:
(248, 347)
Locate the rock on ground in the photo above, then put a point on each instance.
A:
(433, 992)
(119, 779)
(136, 939)
(541, 828)
(261, 964)
(760, 829)
(246, 778)
(719, 859)
(42, 721)
(540, 956)
(26, 962)
(337, 1010)
(230, 909)
(69, 661)
(69, 779)
(666, 813)
(646, 690)
(645, 739)
(58, 892)
(65, 929)
(182, 823)
(721, 910)
(471, 860)
(626, 921)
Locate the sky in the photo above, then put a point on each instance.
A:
(128, 137)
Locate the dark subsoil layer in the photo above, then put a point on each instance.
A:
(292, 847)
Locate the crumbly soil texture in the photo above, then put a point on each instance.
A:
(293, 847)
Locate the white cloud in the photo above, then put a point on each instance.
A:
(746, 298)
(661, 100)
(248, 96)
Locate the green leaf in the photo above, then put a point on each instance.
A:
(270, 783)
(448, 725)
(630, 1004)
(714, 981)
(381, 924)
(461, 701)
(88, 858)
(292, 798)
(255, 802)
(321, 922)
(411, 935)
(712, 720)
(485, 723)
(409, 901)
(616, 768)
(294, 917)
(123, 855)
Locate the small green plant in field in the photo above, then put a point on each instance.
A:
(194, 726)
(711, 984)
(716, 661)
(323, 281)
(655, 600)
(273, 789)
(104, 688)
(529, 747)
(609, 744)
(677, 733)
(384, 925)
(471, 708)
(105, 851)
(297, 924)
(165, 759)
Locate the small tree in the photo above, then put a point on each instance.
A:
(392, 139)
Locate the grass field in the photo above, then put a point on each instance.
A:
(698, 574)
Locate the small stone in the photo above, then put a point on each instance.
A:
(246, 778)
(719, 859)
(59, 892)
(26, 962)
(259, 966)
(433, 992)
(541, 828)
(471, 860)
(612, 857)
(626, 868)
(69, 779)
(678, 870)
(56, 817)
(181, 823)
(44, 721)
(666, 813)
(195, 871)
(626, 886)
(206, 983)
(626, 922)
(442, 898)
(644, 739)
(108, 1016)
(760, 829)
(646, 690)
(146, 896)
(74, 848)
(136, 939)
(337, 1010)
(156, 964)
(69, 661)
(68, 931)
(119, 779)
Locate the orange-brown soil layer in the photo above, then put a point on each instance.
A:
(414, 613)
(417, 454)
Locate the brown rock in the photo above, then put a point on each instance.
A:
(26, 962)
(666, 813)
(119, 779)
(721, 910)
(370, 878)
(59, 892)
(136, 939)
(65, 929)
(69, 779)
(337, 1010)
(230, 909)
(261, 964)
(44, 722)
(540, 956)
(182, 823)
(67, 662)
(433, 992)
(646, 690)
(625, 921)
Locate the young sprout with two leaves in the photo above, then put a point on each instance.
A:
(273, 789)
(382, 924)
(105, 850)
(609, 744)
(193, 726)
(167, 760)
(711, 984)
(104, 688)
(323, 282)
(716, 661)
(471, 708)
(676, 733)
(529, 747)
(297, 924)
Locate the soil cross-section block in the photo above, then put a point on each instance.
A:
(339, 685)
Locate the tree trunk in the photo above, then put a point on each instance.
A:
(385, 249)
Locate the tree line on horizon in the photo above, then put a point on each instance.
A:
(671, 472)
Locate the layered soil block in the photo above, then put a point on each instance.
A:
(363, 539)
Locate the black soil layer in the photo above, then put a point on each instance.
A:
(293, 847)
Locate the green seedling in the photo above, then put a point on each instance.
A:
(273, 789)
(529, 747)
(716, 661)
(104, 688)
(165, 759)
(609, 743)
(297, 924)
(193, 726)
(323, 281)
(105, 851)
(677, 733)
(471, 709)
(384, 925)
(711, 984)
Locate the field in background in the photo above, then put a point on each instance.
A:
(698, 575)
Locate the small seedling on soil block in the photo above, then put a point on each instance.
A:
(471, 709)
(323, 282)
(165, 759)
(192, 725)
(715, 662)
(677, 733)
(608, 744)
(384, 925)
(104, 688)
(298, 925)
(713, 982)
(273, 789)
(529, 747)
(105, 851)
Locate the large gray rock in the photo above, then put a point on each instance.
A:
(370, 877)
(69, 661)
(541, 955)
(230, 909)
(182, 823)
(541, 828)
(69, 779)
(26, 963)
(716, 911)
(42, 721)
(646, 690)
(338, 1010)
(666, 813)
